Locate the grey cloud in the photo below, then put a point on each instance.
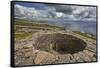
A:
(88, 12)
(65, 12)
(67, 9)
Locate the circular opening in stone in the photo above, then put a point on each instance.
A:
(61, 43)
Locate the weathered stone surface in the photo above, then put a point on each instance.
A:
(63, 58)
(77, 57)
(27, 61)
(61, 43)
(44, 58)
(72, 59)
(27, 46)
(26, 54)
(91, 55)
(84, 57)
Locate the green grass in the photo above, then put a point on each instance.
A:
(21, 23)
(86, 35)
(22, 35)
(36, 25)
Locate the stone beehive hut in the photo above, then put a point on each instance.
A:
(61, 43)
(54, 48)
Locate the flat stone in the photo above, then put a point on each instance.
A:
(28, 54)
(90, 54)
(63, 58)
(28, 61)
(27, 46)
(72, 59)
(77, 57)
(84, 57)
(44, 58)
(24, 56)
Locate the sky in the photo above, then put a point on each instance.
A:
(54, 12)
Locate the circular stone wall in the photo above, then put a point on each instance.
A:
(61, 43)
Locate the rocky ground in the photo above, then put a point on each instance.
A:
(27, 54)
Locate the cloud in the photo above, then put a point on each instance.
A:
(62, 8)
(32, 13)
(81, 13)
(23, 12)
(57, 12)
(85, 13)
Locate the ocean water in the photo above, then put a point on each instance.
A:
(87, 27)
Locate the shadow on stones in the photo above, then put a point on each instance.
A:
(61, 43)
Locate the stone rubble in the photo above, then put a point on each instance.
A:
(26, 54)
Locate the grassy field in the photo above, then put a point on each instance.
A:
(20, 23)
(36, 25)
(86, 35)
(22, 35)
